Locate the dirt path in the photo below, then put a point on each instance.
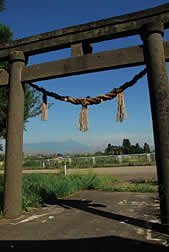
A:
(124, 173)
(130, 172)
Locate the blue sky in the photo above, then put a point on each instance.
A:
(27, 18)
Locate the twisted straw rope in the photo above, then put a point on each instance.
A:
(95, 100)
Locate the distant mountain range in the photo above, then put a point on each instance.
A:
(57, 147)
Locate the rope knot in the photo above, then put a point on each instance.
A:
(84, 102)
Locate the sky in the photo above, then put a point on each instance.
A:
(27, 18)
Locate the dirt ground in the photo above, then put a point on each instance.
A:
(127, 172)
(123, 173)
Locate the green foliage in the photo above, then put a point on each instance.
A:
(38, 189)
(134, 188)
(5, 36)
(108, 150)
(2, 5)
(32, 164)
(5, 33)
(113, 150)
(3, 111)
(32, 104)
(1, 147)
(127, 148)
(146, 148)
(2, 157)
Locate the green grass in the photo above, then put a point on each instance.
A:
(43, 188)
(134, 188)
(38, 189)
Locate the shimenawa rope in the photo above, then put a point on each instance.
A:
(83, 119)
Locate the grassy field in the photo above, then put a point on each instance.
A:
(94, 162)
(38, 189)
(80, 164)
(85, 162)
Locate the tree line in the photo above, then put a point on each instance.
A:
(127, 148)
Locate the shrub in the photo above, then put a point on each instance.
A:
(38, 189)
(42, 188)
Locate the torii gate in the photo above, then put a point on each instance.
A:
(150, 24)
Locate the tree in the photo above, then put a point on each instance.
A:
(32, 107)
(5, 35)
(133, 149)
(1, 148)
(146, 148)
(32, 104)
(126, 146)
(2, 5)
(108, 150)
(138, 149)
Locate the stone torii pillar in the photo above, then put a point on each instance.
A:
(14, 155)
(152, 34)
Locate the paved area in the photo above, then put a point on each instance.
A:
(89, 221)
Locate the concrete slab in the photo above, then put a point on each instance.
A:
(88, 220)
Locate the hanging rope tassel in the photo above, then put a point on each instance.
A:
(121, 107)
(44, 108)
(83, 119)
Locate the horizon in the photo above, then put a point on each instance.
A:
(29, 148)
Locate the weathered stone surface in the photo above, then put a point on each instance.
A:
(159, 98)
(81, 49)
(88, 63)
(125, 25)
(14, 143)
(114, 59)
